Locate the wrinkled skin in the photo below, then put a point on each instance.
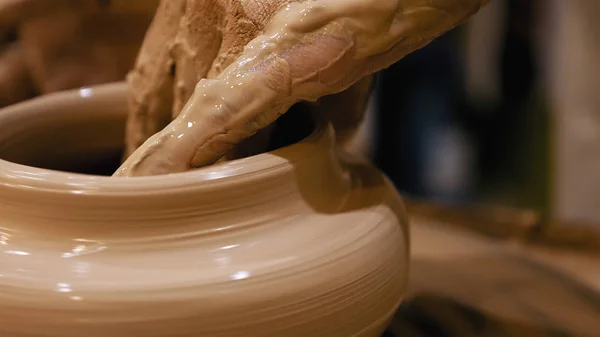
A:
(52, 45)
(240, 64)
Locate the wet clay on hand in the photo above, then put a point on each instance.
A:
(239, 65)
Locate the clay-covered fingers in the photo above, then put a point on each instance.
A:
(196, 45)
(308, 49)
(151, 81)
(199, 41)
(178, 50)
(219, 115)
(246, 97)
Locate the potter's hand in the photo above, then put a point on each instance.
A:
(254, 59)
(52, 45)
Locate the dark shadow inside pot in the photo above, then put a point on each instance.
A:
(292, 127)
(87, 142)
(93, 143)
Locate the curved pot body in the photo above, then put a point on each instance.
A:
(300, 241)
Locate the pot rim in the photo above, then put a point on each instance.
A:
(20, 176)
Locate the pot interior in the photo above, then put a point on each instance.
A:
(90, 141)
(64, 135)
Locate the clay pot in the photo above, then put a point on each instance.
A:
(295, 242)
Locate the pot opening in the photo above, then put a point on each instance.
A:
(93, 144)
(86, 142)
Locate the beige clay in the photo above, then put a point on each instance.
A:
(243, 63)
(301, 241)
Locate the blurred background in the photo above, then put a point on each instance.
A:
(503, 110)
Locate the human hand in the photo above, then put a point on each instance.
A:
(52, 45)
(232, 67)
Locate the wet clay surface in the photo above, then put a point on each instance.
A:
(258, 59)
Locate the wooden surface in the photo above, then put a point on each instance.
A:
(465, 284)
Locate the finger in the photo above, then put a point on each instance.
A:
(195, 47)
(151, 81)
(211, 35)
(15, 81)
(248, 96)
(215, 141)
(244, 20)
(217, 117)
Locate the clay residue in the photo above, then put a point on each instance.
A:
(293, 51)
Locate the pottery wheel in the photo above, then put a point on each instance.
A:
(466, 285)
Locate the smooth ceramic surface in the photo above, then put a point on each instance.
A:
(295, 242)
